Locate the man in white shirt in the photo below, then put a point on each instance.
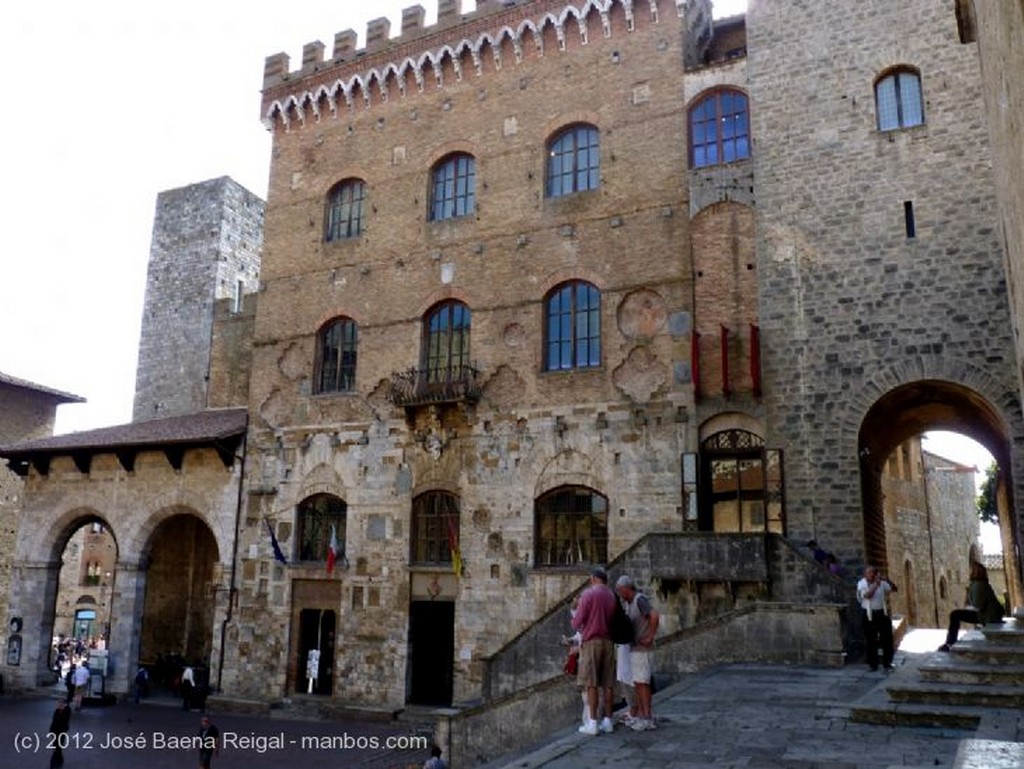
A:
(872, 590)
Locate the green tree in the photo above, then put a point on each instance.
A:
(987, 509)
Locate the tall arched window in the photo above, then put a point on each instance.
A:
(898, 100)
(574, 161)
(572, 327)
(570, 527)
(344, 217)
(318, 517)
(719, 129)
(336, 356)
(741, 484)
(434, 537)
(446, 342)
(453, 187)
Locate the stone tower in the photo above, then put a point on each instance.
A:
(206, 245)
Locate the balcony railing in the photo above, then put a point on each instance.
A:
(424, 387)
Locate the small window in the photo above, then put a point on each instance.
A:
(898, 100)
(319, 517)
(336, 356)
(719, 129)
(453, 191)
(435, 528)
(572, 326)
(236, 306)
(345, 210)
(574, 161)
(570, 527)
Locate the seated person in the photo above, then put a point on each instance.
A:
(983, 606)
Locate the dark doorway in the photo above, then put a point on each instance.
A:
(431, 652)
(177, 619)
(316, 634)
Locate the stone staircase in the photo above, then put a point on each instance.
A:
(978, 686)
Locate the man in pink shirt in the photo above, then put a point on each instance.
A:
(597, 654)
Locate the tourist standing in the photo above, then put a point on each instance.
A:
(645, 628)
(872, 590)
(597, 654)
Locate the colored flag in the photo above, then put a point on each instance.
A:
(278, 555)
(332, 550)
(453, 545)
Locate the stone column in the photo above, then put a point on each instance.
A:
(33, 599)
(126, 607)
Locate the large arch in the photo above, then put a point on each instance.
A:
(910, 409)
(178, 606)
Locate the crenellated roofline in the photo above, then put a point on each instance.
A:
(387, 68)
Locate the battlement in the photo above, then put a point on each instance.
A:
(388, 66)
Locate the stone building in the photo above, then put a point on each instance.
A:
(27, 410)
(545, 285)
(932, 528)
(163, 491)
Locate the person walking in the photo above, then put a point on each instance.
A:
(209, 741)
(593, 619)
(59, 726)
(983, 608)
(872, 590)
(82, 676)
(645, 628)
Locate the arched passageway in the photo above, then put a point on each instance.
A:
(178, 609)
(894, 420)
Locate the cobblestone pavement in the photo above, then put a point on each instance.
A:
(769, 717)
(730, 717)
(155, 736)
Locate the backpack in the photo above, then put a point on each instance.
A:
(622, 626)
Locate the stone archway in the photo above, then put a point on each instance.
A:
(910, 410)
(179, 600)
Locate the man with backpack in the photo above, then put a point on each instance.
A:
(645, 626)
(593, 619)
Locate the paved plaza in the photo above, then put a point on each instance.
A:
(727, 717)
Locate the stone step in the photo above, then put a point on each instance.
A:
(937, 716)
(955, 670)
(1010, 633)
(988, 653)
(957, 694)
(989, 754)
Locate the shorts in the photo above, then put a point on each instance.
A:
(597, 663)
(640, 664)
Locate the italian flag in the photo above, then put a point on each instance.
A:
(332, 550)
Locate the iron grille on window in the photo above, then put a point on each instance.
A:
(316, 517)
(571, 527)
(435, 528)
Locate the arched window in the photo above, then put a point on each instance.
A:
(572, 327)
(319, 517)
(344, 217)
(446, 342)
(453, 187)
(336, 356)
(741, 484)
(435, 528)
(719, 129)
(898, 100)
(574, 161)
(570, 527)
